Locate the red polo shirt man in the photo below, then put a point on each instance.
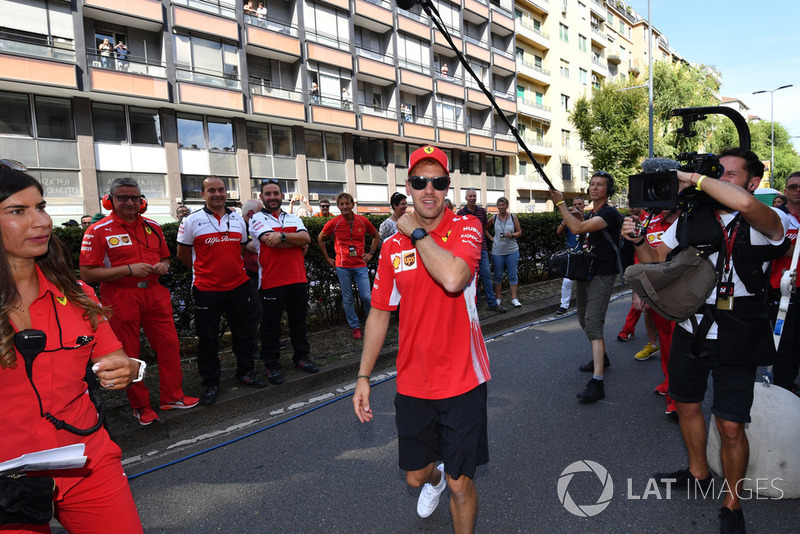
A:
(349, 232)
(126, 253)
(210, 244)
(442, 365)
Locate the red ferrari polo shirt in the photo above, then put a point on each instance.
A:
(349, 239)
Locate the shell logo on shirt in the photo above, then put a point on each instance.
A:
(405, 260)
(120, 240)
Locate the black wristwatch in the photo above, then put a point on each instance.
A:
(283, 237)
(419, 233)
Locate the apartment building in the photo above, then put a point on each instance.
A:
(563, 49)
(323, 95)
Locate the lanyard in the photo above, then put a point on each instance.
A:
(730, 237)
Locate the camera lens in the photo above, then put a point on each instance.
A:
(658, 190)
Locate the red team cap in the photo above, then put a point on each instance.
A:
(428, 152)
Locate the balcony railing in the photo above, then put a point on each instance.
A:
(334, 41)
(272, 25)
(504, 53)
(476, 41)
(29, 44)
(450, 124)
(129, 64)
(382, 3)
(536, 141)
(506, 136)
(598, 32)
(417, 119)
(377, 111)
(216, 7)
(331, 100)
(413, 65)
(598, 61)
(534, 104)
(449, 78)
(377, 55)
(480, 131)
(522, 21)
(229, 80)
(419, 17)
(472, 83)
(534, 66)
(503, 94)
(262, 87)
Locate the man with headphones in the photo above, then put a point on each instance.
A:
(602, 225)
(126, 253)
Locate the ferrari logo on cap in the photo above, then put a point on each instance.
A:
(428, 150)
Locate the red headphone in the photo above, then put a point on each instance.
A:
(106, 202)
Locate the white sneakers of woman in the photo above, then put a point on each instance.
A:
(516, 303)
(429, 496)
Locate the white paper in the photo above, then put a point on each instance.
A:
(68, 457)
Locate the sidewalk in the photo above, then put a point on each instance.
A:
(333, 350)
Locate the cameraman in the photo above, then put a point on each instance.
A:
(690, 365)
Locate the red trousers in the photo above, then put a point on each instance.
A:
(149, 309)
(665, 328)
(631, 320)
(100, 503)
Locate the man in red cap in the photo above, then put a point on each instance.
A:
(442, 363)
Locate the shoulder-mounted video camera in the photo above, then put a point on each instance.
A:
(657, 187)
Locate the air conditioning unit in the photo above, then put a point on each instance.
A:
(233, 195)
(313, 196)
(288, 197)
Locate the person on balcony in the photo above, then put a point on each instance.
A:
(106, 52)
(122, 56)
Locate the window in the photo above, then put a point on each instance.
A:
(537, 25)
(583, 45)
(327, 25)
(257, 138)
(495, 166)
(314, 147)
(537, 61)
(582, 10)
(470, 163)
(595, 82)
(145, 126)
(108, 121)
(334, 147)
(15, 114)
(192, 134)
(54, 118)
(413, 53)
(331, 81)
(539, 98)
(520, 54)
(327, 146)
(566, 172)
(449, 112)
(282, 141)
(206, 61)
(220, 135)
(583, 76)
(368, 151)
(191, 186)
(584, 174)
(564, 69)
(621, 27)
(565, 138)
(609, 17)
(563, 32)
(564, 103)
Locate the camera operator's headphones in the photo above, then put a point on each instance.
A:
(106, 203)
(610, 189)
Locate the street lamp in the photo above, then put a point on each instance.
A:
(772, 123)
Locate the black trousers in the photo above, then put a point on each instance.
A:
(292, 298)
(256, 314)
(209, 307)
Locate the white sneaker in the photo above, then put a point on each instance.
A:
(498, 302)
(516, 303)
(429, 496)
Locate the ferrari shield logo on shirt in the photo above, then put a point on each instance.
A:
(147, 230)
(120, 240)
(62, 300)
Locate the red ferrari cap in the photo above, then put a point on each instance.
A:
(428, 152)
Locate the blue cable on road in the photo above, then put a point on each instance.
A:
(292, 418)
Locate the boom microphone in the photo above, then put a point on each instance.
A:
(651, 165)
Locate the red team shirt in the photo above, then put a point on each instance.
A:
(346, 236)
(784, 263)
(278, 266)
(59, 379)
(217, 263)
(442, 353)
(111, 242)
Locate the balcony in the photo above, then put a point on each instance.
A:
(537, 6)
(598, 8)
(275, 100)
(505, 142)
(375, 67)
(273, 39)
(328, 50)
(415, 78)
(451, 132)
(598, 38)
(533, 109)
(213, 20)
(532, 71)
(378, 119)
(222, 8)
(414, 23)
(477, 48)
(143, 14)
(134, 76)
(503, 62)
(599, 67)
(373, 14)
(40, 59)
(505, 100)
(480, 138)
(441, 46)
(420, 127)
(537, 145)
(203, 95)
(477, 99)
(476, 11)
(450, 86)
(614, 56)
(527, 32)
(502, 21)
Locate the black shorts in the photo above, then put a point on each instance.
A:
(688, 379)
(452, 430)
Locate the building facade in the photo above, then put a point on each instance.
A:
(323, 95)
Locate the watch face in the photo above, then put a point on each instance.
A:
(283, 237)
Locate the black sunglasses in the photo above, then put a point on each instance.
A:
(419, 183)
(793, 187)
(13, 165)
(604, 174)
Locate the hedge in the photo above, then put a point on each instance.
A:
(538, 241)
